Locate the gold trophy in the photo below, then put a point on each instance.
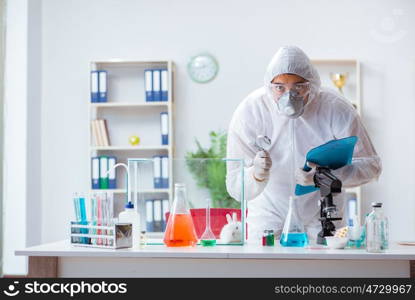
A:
(339, 80)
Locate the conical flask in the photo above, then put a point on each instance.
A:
(293, 234)
(180, 230)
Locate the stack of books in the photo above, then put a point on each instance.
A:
(100, 132)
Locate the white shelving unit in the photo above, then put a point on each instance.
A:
(121, 105)
(127, 113)
(351, 91)
(128, 148)
(144, 191)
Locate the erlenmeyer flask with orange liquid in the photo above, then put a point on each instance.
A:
(180, 230)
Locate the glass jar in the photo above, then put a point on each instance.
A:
(377, 230)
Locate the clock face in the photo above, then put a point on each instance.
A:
(202, 68)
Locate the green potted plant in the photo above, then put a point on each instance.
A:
(210, 174)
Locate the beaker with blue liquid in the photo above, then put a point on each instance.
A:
(293, 233)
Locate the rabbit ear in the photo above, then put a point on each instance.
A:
(234, 218)
(228, 218)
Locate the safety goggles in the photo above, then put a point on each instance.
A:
(280, 88)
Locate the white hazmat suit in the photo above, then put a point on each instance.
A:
(327, 116)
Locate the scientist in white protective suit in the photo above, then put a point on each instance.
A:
(297, 115)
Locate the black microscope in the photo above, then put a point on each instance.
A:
(329, 185)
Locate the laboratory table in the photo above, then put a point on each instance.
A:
(60, 259)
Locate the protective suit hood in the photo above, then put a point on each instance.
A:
(292, 60)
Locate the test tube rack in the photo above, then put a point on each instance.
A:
(116, 236)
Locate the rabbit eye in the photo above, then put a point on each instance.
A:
(236, 227)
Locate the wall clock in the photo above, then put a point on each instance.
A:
(202, 68)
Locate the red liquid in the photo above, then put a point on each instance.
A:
(180, 231)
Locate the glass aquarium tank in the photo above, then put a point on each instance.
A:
(187, 189)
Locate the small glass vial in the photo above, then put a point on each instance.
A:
(264, 237)
(377, 227)
(268, 238)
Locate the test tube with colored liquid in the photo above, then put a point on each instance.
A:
(93, 217)
(77, 216)
(99, 218)
(82, 209)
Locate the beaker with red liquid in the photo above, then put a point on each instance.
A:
(180, 230)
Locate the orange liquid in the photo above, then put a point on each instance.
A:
(180, 231)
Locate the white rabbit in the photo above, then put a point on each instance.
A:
(231, 232)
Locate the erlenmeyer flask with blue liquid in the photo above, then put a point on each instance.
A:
(293, 234)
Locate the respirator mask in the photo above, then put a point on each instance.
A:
(290, 100)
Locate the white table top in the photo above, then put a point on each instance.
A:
(64, 249)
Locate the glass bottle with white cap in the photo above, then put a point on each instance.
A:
(377, 227)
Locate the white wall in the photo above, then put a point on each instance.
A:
(243, 38)
(34, 74)
(2, 39)
(22, 176)
(15, 137)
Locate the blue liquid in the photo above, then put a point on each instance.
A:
(294, 239)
